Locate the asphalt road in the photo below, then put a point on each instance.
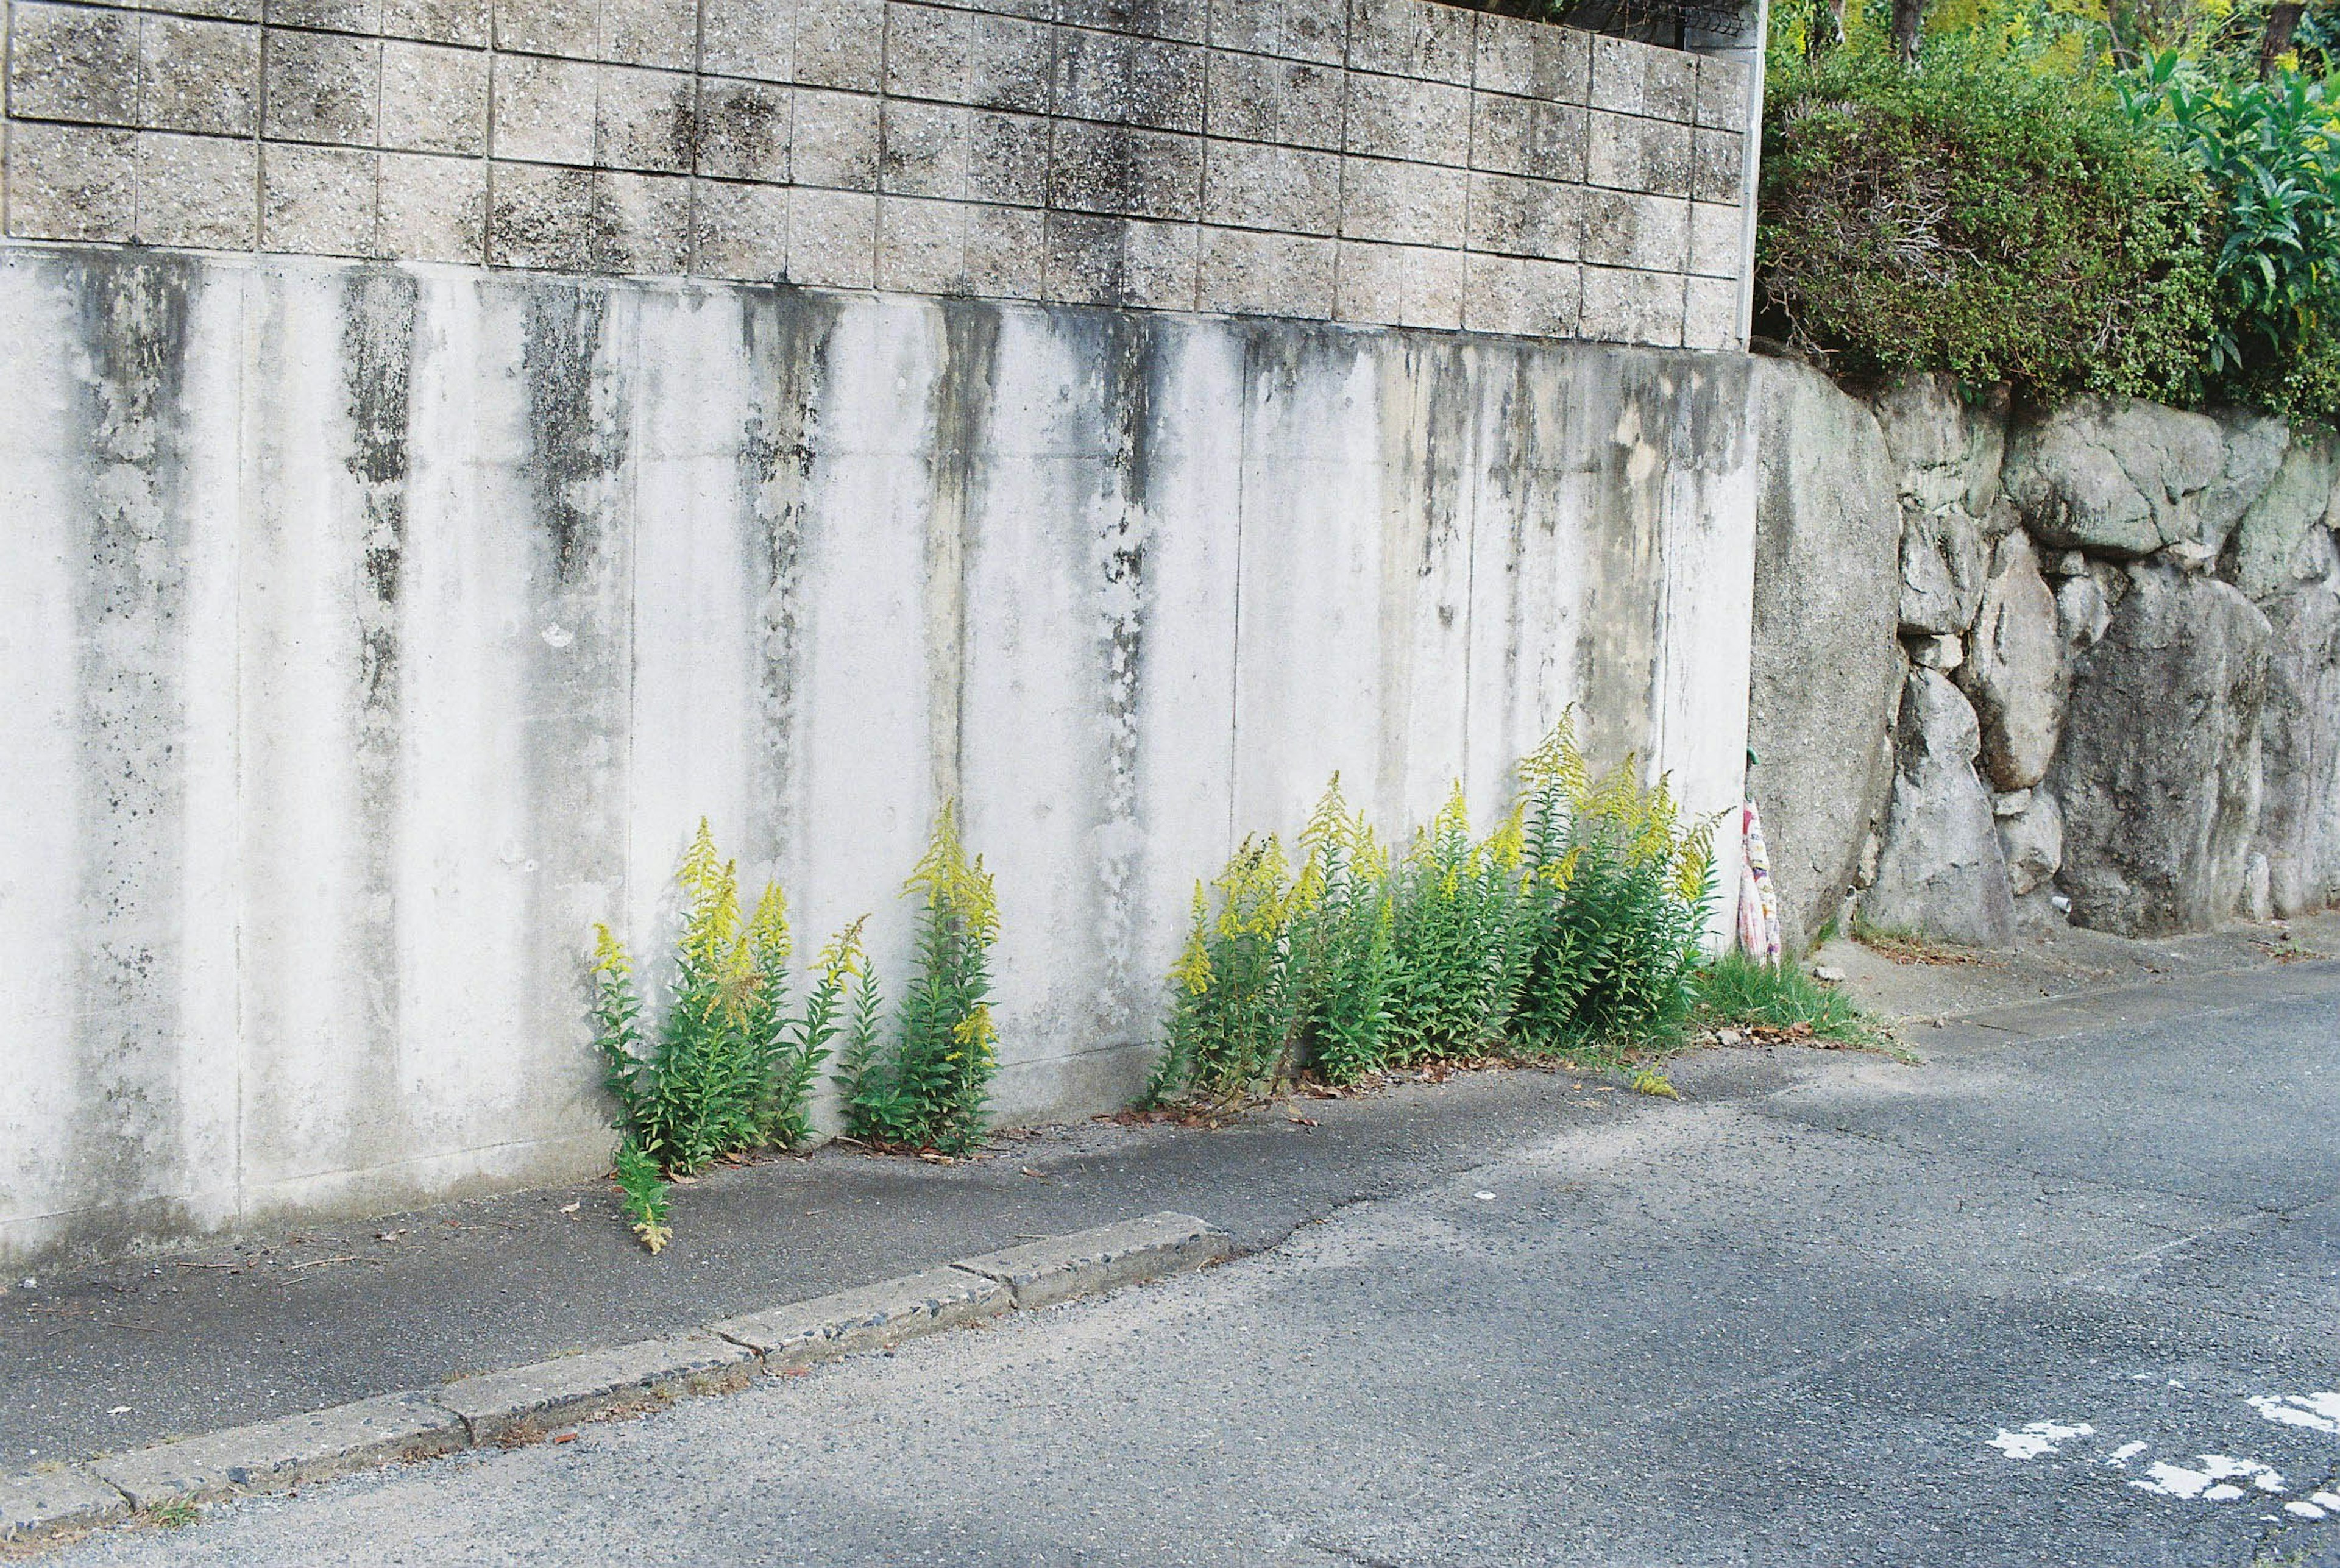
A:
(2068, 1294)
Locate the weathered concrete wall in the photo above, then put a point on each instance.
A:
(1385, 161)
(372, 630)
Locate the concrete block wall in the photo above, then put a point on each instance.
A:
(368, 630)
(1402, 162)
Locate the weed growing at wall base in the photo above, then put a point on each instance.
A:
(1574, 928)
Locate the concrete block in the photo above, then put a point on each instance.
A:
(1632, 78)
(1624, 229)
(322, 88)
(1084, 260)
(73, 63)
(743, 130)
(1160, 264)
(642, 224)
(1008, 159)
(1625, 306)
(310, 1446)
(544, 109)
(316, 201)
(1399, 285)
(1719, 167)
(662, 33)
(876, 1317)
(925, 149)
(1244, 272)
(740, 232)
(1521, 296)
(202, 77)
(1629, 152)
(646, 121)
(1403, 204)
(1525, 136)
(221, 10)
(573, 1388)
(1127, 81)
(1716, 235)
(1007, 253)
(434, 99)
(832, 238)
(1011, 63)
(1412, 38)
(198, 191)
(926, 52)
(840, 43)
(541, 216)
(1533, 59)
(1263, 100)
(46, 1502)
(363, 16)
(1124, 171)
(1248, 185)
(1043, 1273)
(562, 28)
(1517, 217)
(921, 245)
(1391, 117)
(1292, 29)
(752, 38)
(1183, 20)
(1710, 315)
(833, 140)
(1722, 94)
(469, 23)
(72, 183)
(431, 209)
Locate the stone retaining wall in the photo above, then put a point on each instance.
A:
(1405, 163)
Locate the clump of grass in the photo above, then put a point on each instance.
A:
(1736, 991)
(1904, 946)
(729, 1067)
(930, 1090)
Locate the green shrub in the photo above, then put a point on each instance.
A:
(729, 1069)
(2271, 154)
(1340, 943)
(1232, 1007)
(929, 1091)
(1982, 218)
(1459, 936)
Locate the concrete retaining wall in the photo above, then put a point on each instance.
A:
(370, 632)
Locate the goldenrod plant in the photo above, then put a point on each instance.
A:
(1231, 1012)
(1459, 937)
(1341, 944)
(729, 1069)
(930, 1090)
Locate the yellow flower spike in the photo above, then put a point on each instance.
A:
(768, 935)
(609, 957)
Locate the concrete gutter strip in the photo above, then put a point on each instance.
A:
(716, 1359)
(1043, 1273)
(50, 1501)
(872, 1318)
(308, 1446)
(573, 1388)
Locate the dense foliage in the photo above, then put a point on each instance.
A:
(1574, 928)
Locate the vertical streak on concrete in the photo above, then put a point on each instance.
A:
(129, 612)
(377, 364)
(1624, 413)
(962, 407)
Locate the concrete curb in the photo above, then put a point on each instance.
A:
(523, 1402)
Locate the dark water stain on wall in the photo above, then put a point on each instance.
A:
(124, 1153)
(785, 337)
(571, 454)
(376, 345)
(960, 410)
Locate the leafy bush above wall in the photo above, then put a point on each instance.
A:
(1977, 217)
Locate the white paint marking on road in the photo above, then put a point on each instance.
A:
(2211, 1482)
(2039, 1437)
(2303, 1510)
(2326, 1500)
(2317, 1412)
(2120, 1457)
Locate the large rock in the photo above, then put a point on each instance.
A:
(1944, 561)
(1947, 447)
(2256, 446)
(2113, 476)
(2158, 772)
(2299, 816)
(1826, 666)
(1941, 871)
(2261, 551)
(2015, 670)
(2032, 839)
